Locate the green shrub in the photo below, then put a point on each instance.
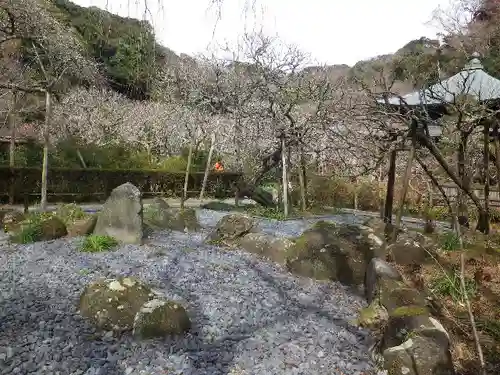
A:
(368, 196)
(96, 243)
(267, 212)
(330, 191)
(68, 213)
(439, 213)
(30, 232)
(495, 215)
(173, 164)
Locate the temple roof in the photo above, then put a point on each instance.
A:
(472, 80)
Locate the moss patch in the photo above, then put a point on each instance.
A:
(409, 311)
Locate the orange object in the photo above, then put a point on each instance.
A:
(219, 167)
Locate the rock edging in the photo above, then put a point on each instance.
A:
(410, 341)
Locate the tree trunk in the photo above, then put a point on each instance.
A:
(462, 212)
(12, 127)
(303, 179)
(406, 181)
(285, 176)
(188, 169)
(496, 144)
(484, 220)
(207, 167)
(389, 198)
(464, 187)
(46, 141)
(436, 184)
(250, 188)
(302, 183)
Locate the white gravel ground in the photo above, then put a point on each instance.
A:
(249, 316)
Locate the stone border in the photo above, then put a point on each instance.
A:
(410, 341)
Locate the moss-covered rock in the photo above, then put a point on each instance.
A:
(377, 270)
(230, 229)
(81, 227)
(52, 228)
(126, 303)
(159, 215)
(373, 317)
(112, 304)
(332, 252)
(11, 220)
(159, 317)
(394, 294)
(189, 220)
(267, 246)
(413, 321)
(418, 355)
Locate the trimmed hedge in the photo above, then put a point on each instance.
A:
(84, 185)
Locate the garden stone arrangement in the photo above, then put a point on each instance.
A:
(163, 291)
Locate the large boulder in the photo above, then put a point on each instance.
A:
(418, 355)
(121, 215)
(416, 343)
(267, 246)
(158, 214)
(187, 220)
(127, 304)
(112, 304)
(161, 216)
(230, 229)
(332, 252)
(377, 270)
(411, 248)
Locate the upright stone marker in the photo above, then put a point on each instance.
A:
(121, 215)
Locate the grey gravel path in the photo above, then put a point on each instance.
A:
(250, 317)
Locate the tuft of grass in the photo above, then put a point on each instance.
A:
(95, 243)
(30, 232)
(449, 285)
(491, 327)
(450, 241)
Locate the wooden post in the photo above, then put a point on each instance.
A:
(207, 167)
(284, 178)
(389, 197)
